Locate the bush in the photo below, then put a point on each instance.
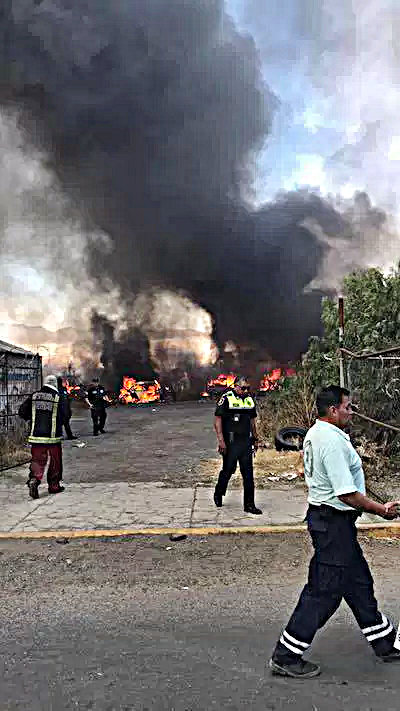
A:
(293, 405)
(372, 322)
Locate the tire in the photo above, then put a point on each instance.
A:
(284, 439)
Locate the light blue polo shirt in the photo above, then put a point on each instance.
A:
(332, 466)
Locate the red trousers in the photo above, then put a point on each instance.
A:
(46, 459)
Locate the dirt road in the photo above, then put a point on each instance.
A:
(174, 444)
(160, 443)
(147, 624)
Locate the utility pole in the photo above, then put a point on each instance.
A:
(341, 336)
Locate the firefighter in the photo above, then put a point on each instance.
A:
(44, 411)
(96, 399)
(66, 406)
(338, 570)
(235, 426)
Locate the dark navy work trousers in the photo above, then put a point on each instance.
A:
(338, 571)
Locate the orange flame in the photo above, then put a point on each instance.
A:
(137, 392)
(223, 380)
(272, 380)
(72, 390)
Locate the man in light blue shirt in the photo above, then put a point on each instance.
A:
(332, 466)
(338, 570)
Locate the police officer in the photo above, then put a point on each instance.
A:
(96, 399)
(236, 434)
(66, 406)
(43, 410)
(338, 569)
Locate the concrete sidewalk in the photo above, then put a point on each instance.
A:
(124, 506)
(121, 505)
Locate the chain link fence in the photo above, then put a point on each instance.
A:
(374, 380)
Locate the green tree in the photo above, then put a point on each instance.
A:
(372, 322)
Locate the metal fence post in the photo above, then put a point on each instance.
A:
(7, 398)
(341, 335)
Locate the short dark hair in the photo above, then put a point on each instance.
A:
(330, 397)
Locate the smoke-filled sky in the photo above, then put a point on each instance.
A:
(206, 149)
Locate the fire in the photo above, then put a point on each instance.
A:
(273, 379)
(72, 390)
(216, 385)
(223, 381)
(136, 392)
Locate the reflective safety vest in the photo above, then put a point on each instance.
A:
(235, 402)
(46, 423)
(236, 413)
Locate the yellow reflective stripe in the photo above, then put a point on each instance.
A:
(54, 417)
(33, 415)
(44, 440)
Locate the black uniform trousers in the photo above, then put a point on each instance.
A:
(338, 570)
(99, 417)
(239, 449)
(67, 428)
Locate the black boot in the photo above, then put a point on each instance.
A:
(217, 499)
(252, 508)
(33, 486)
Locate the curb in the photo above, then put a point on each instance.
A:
(378, 529)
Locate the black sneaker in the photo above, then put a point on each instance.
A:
(392, 656)
(296, 670)
(217, 499)
(253, 510)
(33, 486)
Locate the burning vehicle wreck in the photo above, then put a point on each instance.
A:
(270, 382)
(217, 386)
(139, 392)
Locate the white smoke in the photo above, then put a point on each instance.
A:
(176, 328)
(46, 294)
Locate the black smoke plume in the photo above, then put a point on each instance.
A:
(152, 113)
(129, 355)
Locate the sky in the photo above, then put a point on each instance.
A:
(334, 65)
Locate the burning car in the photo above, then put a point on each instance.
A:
(217, 386)
(138, 392)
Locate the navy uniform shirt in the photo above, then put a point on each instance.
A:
(96, 395)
